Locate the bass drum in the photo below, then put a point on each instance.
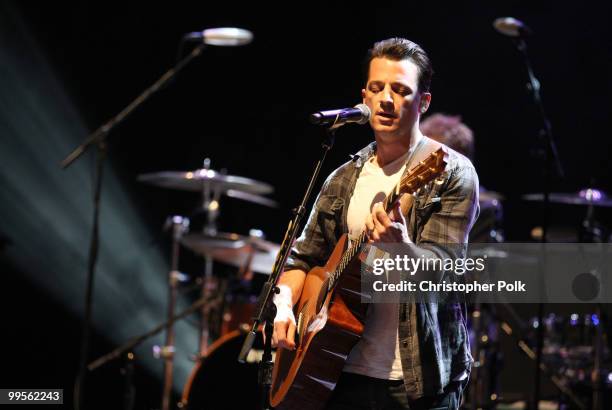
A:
(219, 381)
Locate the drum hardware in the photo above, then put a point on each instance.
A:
(251, 254)
(213, 312)
(574, 361)
(256, 199)
(484, 335)
(248, 253)
(210, 206)
(128, 347)
(488, 226)
(587, 196)
(163, 352)
(179, 226)
(178, 277)
(132, 343)
(211, 185)
(574, 351)
(207, 177)
(190, 285)
(596, 375)
(245, 252)
(246, 270)
(590, 231)
(238, 309)
(561, 382)
(210, 243)
(486, 326)
(555, 234)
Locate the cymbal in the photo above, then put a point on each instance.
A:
(503, 253)
(207, 244)
(256, 199)
(235, 249)
(588, 196)
(200, 178)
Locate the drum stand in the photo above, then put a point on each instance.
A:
(483, 388)
(179, 225)
(210, 205)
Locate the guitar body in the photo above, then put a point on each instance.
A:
(305, 377)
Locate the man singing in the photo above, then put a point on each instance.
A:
(410, 356)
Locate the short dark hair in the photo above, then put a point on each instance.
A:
(398, 49)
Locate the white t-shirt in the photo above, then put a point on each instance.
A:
(377, 353)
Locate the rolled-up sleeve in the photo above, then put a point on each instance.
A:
(310, 249)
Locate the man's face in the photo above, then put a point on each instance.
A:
(393, 97)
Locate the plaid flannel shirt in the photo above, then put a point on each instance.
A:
(434, 344)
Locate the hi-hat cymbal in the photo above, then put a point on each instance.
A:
(235, 250)
(588, 196)
(200, 178)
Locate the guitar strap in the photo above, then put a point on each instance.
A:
(425, 147)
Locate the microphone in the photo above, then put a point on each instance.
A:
(511, 27)
(359, 114)
(222, 36)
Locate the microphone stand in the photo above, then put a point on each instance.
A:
(266, 310)
(132, 343)
(551, 158)
(98, 138)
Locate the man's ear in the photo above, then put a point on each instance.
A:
(425, 101)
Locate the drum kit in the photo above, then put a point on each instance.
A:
(577, 352)
(226, 314)
(590, 230)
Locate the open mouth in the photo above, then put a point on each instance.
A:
(386, 115)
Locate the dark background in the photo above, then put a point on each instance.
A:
(246, 109)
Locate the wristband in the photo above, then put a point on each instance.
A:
(284, 305)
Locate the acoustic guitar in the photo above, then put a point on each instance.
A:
(330, 315)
